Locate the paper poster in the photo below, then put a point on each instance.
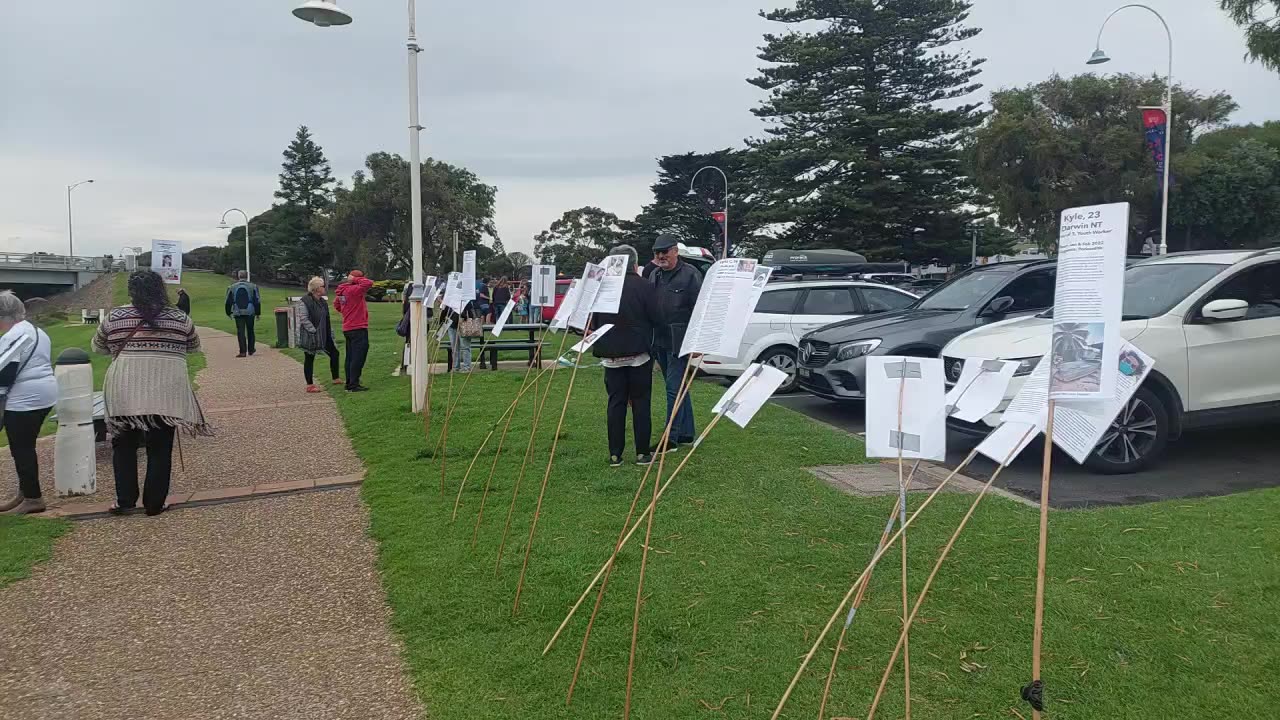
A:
(749, 393)
(723, 309)
(502, 319)
(542, 286)
(1079, 425)
(166, 260)
(561, 320)
(588, 289)
(431, 291)
(918, 427)
(980, 389)
(469, 274)
(586, 342)
(1031, 405)
(1092, 243)
(758, 282)
(442, 332)
(615, 276)
(455, 292)
(1007, 441)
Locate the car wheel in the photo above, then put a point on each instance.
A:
(785, 360)
(1136, 438)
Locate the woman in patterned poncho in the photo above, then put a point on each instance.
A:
(147, 391)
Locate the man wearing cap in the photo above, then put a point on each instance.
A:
(349, 298)
(678, 284)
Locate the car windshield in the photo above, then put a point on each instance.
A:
(1152, 289)
(966, 290)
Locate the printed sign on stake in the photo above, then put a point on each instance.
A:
(166, 260)
(749, 393)
(469, 275)
(499, 326)
(588, 289)
(921, 434)
(723, 309)
(454, 297)
(980, 389)
(586, 343)
(542, 288)
(615, 275)
(561, 320)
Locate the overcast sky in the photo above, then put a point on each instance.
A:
(180, 110)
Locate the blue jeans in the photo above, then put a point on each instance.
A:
(673, 369)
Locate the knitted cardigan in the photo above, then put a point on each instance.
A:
(147, 383)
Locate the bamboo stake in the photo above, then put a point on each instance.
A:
(902, 520)
(607, 567)
(924, 592)
(432, 349)
(663, 442)
(1037, 637)
(546, 475)
(865, 574)
(448, 403)
(528, 453)
(857, 600)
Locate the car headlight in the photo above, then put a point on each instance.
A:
(1026, 366)
(849, 351)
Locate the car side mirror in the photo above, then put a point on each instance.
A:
(1225, 310)
(999, 306)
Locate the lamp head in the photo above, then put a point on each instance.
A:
(322, 13)
(1098, 58)
(223, 225)
(691, 193)
(88, 181)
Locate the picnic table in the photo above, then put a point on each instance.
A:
(491, 346)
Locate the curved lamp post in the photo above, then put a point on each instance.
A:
(691, 193)
(71, 245)
(224, 226)
(1098, 58)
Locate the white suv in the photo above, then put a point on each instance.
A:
(1211, 321)
(788, 309)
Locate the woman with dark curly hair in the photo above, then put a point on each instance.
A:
(147, 392)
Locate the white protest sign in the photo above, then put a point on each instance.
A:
(1087, 304)
(588, 288)
(454, 297)
(749, 393)
(615, 276)
(586, 342)
(980, 389)
(918, 426)
(723, 309)
(542, 286)
(1079, 425)
(561, 320)
(444, 330)
(166, 260)
(759, 280)
(432, 291)
(1030, 406)
(1007, 441)
(502, 319)
(469, 274)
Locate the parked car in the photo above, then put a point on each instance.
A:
(900, 280)
(789, 309)
(1211, 322)
(833, 359)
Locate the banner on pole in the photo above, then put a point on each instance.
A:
(1156, 125)
(166, 260)
(469, 274)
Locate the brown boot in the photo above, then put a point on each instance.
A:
(8, 505)
(28, 506)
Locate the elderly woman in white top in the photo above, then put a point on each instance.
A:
(30, 391)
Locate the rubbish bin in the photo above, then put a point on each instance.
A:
(284, 327)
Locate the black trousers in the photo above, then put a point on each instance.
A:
(23, 427)
(124, 461)
(244, 334)
(629, 386)
(309, 362)
(357, 353)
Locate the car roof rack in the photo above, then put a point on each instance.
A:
(1262, 252)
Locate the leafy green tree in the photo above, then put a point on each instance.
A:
(1261, 21)
(1067, 142)
(1226, 197)
(306, 179)
(690, 218)
(579, 237)
(865, 117)
(370, 223)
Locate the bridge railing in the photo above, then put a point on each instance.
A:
(37, 261)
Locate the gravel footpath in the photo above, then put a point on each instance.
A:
(267, 609)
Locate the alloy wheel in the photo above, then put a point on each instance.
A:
(1132, 434)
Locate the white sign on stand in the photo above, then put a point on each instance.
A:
(542, 286)
(1088, 302)
(166, 260)
(469, 274)
(615, 275)
(749, 393)
(586, 342)
(588, 289)
(723, 309)
(906, 408)
(561, 320)
(499, 326)
(454, 293)
(980, 388)
(432, 290)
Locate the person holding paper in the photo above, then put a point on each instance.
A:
(678, 284)
(628, 366)
(350, 300)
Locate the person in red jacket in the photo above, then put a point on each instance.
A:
(349, 298)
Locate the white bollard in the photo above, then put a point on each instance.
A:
(75, 466)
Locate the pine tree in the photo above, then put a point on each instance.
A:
(306, 179)
(866, 115)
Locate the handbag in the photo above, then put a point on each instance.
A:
(402, 328)
(471, 327)
(4, 396)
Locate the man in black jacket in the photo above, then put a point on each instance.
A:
(628, 367)
(678, 284)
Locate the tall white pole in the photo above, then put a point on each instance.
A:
(247, 274)
(71, 243)
(417, 346)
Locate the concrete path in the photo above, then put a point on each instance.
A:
(270, 608)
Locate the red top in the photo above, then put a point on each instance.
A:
(350, 302)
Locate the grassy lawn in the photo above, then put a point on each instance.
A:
(1160, 609)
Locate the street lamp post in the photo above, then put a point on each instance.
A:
(1099, 57)
(694, 179)
(71, 244)
(324, 13)
(224, 226)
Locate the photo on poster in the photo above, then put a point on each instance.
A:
(166, 260)
(1077, 357)
(586, 343)
(609, 298)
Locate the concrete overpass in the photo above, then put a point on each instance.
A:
(29, 271)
